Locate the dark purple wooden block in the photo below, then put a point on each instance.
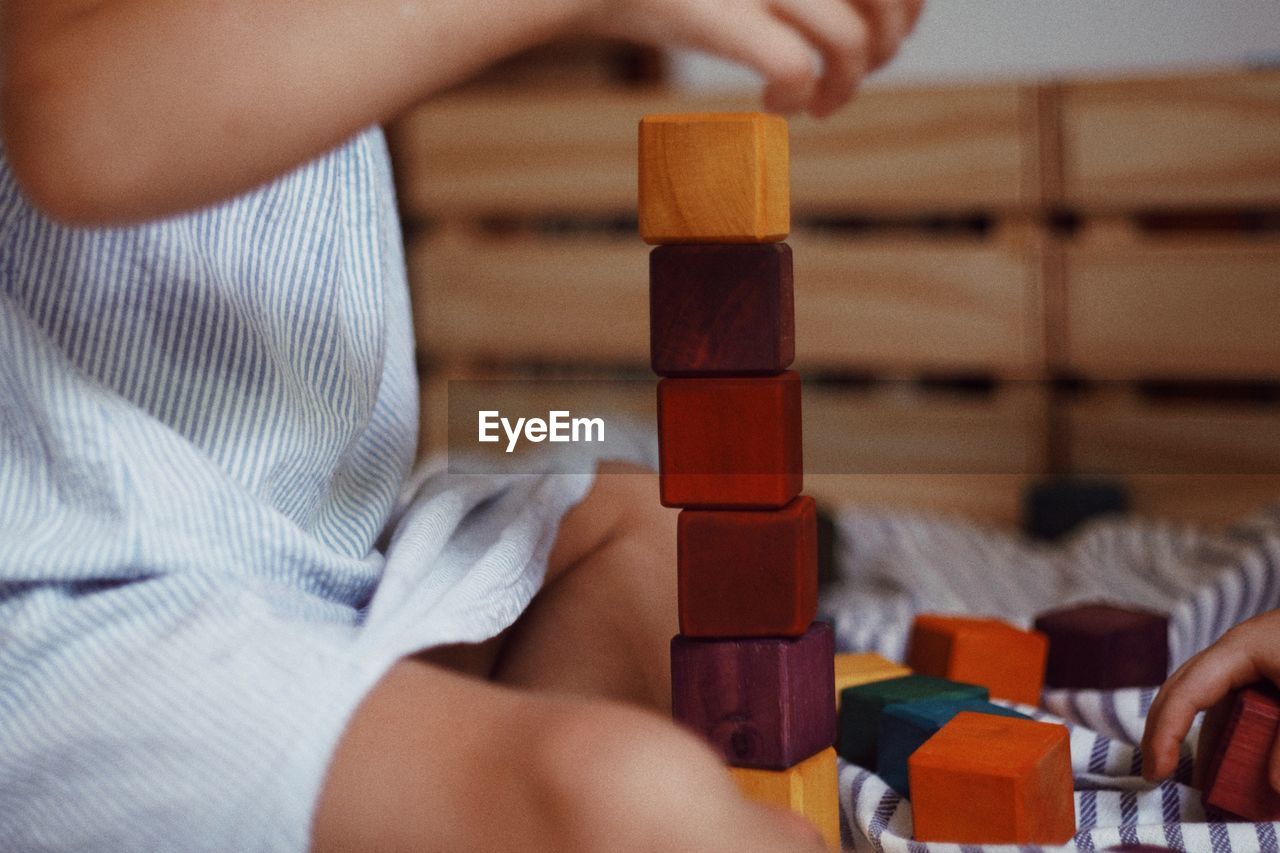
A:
(721, 310)
(1104, 647)
(764, 703)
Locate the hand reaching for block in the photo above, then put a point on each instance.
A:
(1246, 654)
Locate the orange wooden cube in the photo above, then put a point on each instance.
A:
(809, 788)
(1008, 661)
(984, 779)
(857, 668)
(714, 178)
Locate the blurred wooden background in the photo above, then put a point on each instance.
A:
(993, 282)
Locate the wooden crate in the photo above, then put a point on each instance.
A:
(1203, 460)
(897, 306)
(1180, 142)
(538, 154)
(1190, 307)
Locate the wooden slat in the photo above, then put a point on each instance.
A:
(1118, 433)
(1203, 462)
(894, 429)
(1202, 309)
(926, 453)
(897, 306)
(955, 149)
(1201, 141)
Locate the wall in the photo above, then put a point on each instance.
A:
(1039, 39)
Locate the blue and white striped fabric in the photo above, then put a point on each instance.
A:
(205, 425)
(894, 566)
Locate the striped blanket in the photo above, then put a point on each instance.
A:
(892, 567)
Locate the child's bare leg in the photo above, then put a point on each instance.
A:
(603, 623)
(434, 760)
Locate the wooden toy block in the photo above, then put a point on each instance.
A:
(730, 443)
(864, 668)
(984, 779)
(810, 788)
(714, 178)
(764, 703)
(721, 310)
(744, 573)
(1104, 647)
(904, 728)
(861, 706)
(1237, 780)
(1006, 660)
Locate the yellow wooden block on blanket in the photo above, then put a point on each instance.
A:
(809, 788)
(863, 668)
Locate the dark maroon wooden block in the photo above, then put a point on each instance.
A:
(1104, 647)
(1237, 780)
(764, 703)
(721, 310)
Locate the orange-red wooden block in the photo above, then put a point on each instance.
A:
(748, 573)
(984, 779)
(730, 443)
(1238, 753)
(1008, 661)
(714, 178)
(716, 310)
(809, 788)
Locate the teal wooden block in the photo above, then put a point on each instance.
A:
(860, 708)
(904, 727)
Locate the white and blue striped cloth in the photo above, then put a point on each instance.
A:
(205, 424)
(894, 566)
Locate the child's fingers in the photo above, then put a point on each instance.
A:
(842, 37)
(1198, 684)
(889, 21)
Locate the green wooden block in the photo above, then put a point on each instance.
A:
(904, 727)
(860, 708)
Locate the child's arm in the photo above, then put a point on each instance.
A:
(1247, 653)
(116, 110)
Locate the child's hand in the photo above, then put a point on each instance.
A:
(778, 38)
(1247, 653)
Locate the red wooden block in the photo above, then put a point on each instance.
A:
(1237, 780)
(730, 443)
(765, 703)
(1006, 660)
(721, 310)
(1104, 647)
(748, 573)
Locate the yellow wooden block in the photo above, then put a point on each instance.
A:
(714, 178)
(864, 668)
(809, 788)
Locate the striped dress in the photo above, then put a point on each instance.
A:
(207, 425)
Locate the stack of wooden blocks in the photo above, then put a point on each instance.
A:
(751, 671)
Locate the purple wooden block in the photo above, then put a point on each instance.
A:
(716, 310)
(1104, 647)
(763, 703)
